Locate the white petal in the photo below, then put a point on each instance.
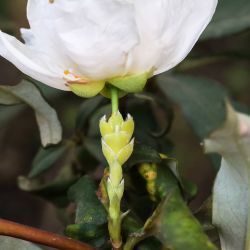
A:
(100, 41)
(186, 22)
(168, 31)
(30, 63)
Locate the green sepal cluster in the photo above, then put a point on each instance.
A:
(125, 84)
(116, 134)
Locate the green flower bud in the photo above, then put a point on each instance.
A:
(116, 138)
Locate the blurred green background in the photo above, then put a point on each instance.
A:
(225, 59)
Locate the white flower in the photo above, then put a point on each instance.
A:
(89, 42)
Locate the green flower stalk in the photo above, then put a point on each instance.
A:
(117, 147)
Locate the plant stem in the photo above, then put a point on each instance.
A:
(8, 228)
(114, 99)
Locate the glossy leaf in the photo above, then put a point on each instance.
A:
(91, 216)
(142, 154)
(173, 221)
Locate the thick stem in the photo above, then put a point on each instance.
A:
(8, 228)
(114, 99)
(115, 188)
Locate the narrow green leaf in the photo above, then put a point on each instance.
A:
(25, 92)
(8, 243)
(231, 211)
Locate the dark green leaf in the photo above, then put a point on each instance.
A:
(177, 228)
(94, 130)
(91, 216)
(143, 154)
(55, 190)
(150, 243)
(149, 130)
(95, 235)
(86, 110)
(46, 158)
(25, 92)
(93, 145)
(231, 16)
(201, 100)
(89, 208)
(174, 223)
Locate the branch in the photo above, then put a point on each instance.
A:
(34, 235)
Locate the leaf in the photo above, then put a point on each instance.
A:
(172, 222)
(91, 216)
(201, 100)
(86, 110)
(55, 190)
(230, 17)
(176, 227)
(148, 127)
(189, 188)
(231, 211)
(94, 147)
(46, 158)
(143, 154)
(25, 92)
(8, 243)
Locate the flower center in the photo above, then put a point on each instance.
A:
(70, 77)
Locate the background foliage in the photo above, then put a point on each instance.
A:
(44, 187)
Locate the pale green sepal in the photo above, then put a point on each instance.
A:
(115, 173)
(108, 153)
(132, 83)
(116, 120)
(129, 125)
(87, 90)
(117, 141)
(105, 127)
(120, 189)
(125, 152)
